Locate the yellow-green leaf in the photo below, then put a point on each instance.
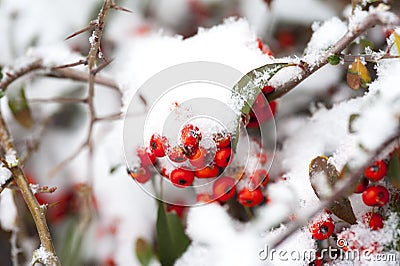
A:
(358, 75)
(393, 172)
(20, 109)
(144, 251)
(397, 41)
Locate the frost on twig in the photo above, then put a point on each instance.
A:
(43, 256)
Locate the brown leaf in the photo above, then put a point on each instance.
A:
(20, 109)
(358, 75)
(323, 176)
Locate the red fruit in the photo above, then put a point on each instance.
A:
(178, 209)
(146, 156)
(177, 155)
(262, 158)
(273, 105)
(198, 158)
(207, 172)
(204, 197)
(322, 229)
(141, 175)
(158, 145)
(259, 178)
(373, 220)
(222, 140)
(223, 157)
(181, 177)
(190, 136)
(361, 185)
(376, 171)
(164, 172)
(224, 188)
(375, 196)
(250, 198)
(267, 89)
(259, 102)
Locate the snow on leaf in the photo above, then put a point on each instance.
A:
(323, 177)
(171, 238)
(358, 75)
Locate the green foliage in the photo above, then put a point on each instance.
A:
(20, 109)
(171, 238)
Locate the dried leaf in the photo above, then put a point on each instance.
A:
(20, 109)
(323, 177)
(144, 252)
(358, 75)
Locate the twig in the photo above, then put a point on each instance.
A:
(350, 36)
(11, 77)
(58, 100)
(349, 180)
(37, 211)
(369, 58)
(67, 160)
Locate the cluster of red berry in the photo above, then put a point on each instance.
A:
(191, 160)
(373, 195)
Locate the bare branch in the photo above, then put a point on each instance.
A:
(80, 62)
(11, 77)
(85, 29)
(38, 213)
(67, 160)
(58, 100)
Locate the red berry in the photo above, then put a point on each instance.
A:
(361, 185)
(375, 196)
(224, 188)
(267, 89)
(259, 102)
(376, 171)
(181, 177)
(222, 140)
(273, 105)
(373, 220)
(178, 209)
(204, 197)
(322, 229)
(260, 44)
(259, 178)
(146, 156)
(198, 158)
(158, 145)
(141, 175)
(207, 172)
(250, 198)
(190, 136)
(262, 158)
(176, 154)
(223, 157)
(164, 172)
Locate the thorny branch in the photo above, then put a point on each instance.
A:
(37, 211)
(369, 22)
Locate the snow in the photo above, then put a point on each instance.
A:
(11, 158)
(8, 210)
(5, 174)
(325, 35)
(43, 256)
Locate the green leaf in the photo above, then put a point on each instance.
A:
(246, 90)
(115, 168)
(334, 59)
(171, 238)
(393, 171)
(352, 118)
(144, 252)
(323, 177)
(364, 43)
(20, 109)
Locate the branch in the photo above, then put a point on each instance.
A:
(352, 34)
(37, 211)
(349, 180)
(11, 77)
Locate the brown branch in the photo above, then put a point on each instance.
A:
(37, 211)
(349, 180)
(58, 100)
(369, 58)
(11, 77)
(349, 37)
